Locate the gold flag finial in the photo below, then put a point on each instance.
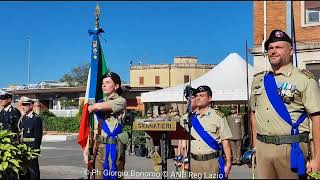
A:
(97, 15)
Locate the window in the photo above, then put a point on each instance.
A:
(314, 68)
(311, 12)
(186, 78)
(312, 15)
(157, 79)
(141, 80)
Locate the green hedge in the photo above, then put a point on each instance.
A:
(62, 124)
(65, 124)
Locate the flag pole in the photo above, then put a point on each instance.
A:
(247, 109)
(91, 159)
(293, 35)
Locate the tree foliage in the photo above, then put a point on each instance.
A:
(77, 76)
(13, 156)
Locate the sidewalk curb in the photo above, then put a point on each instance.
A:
(59, 137)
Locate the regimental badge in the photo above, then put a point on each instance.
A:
(279, 34)
(95, 44)
(286, 91)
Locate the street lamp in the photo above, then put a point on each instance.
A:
(29, 46)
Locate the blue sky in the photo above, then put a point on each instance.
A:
(152, 31)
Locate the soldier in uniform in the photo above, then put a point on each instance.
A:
(149, 140)
(171, 112)
(9, 116)
(163, 112)
(175, 116)
(283, 101)
(110, 144)
(30, 127)
(236, 126)
(211, 132)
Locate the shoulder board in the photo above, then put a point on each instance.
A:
(258, 73)
(219, 113)
(308, 73)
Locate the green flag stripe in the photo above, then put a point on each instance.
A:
(104, 69)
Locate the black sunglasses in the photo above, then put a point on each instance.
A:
(25, 104)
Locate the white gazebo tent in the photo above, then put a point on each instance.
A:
(227, 80)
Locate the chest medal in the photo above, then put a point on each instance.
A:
(286, 91)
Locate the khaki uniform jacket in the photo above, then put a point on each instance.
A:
(118, 105)
(236, 126)
(215, 124)
(299, 91)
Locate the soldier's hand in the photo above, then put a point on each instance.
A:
(85, 156)
(313, 166)
(90, 109)
(227, 168)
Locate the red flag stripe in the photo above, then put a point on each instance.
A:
(84, 126)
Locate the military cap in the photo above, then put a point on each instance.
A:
(204, 89)
(5, 95)
(116, 79)
(26, 100)
(277, 35)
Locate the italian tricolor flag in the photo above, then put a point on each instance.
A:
(94, 92)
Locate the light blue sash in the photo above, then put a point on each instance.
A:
(297, 160)
(210, 142)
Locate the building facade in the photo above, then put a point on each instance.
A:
(167, 75)
(53, 98)
(277, 15)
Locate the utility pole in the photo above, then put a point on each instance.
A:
(29, 46)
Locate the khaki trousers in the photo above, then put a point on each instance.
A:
(203, 169)
(100, 158)
(273, 161)
(236, 150)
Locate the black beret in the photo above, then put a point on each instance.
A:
(205, 89)
(277, 35)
